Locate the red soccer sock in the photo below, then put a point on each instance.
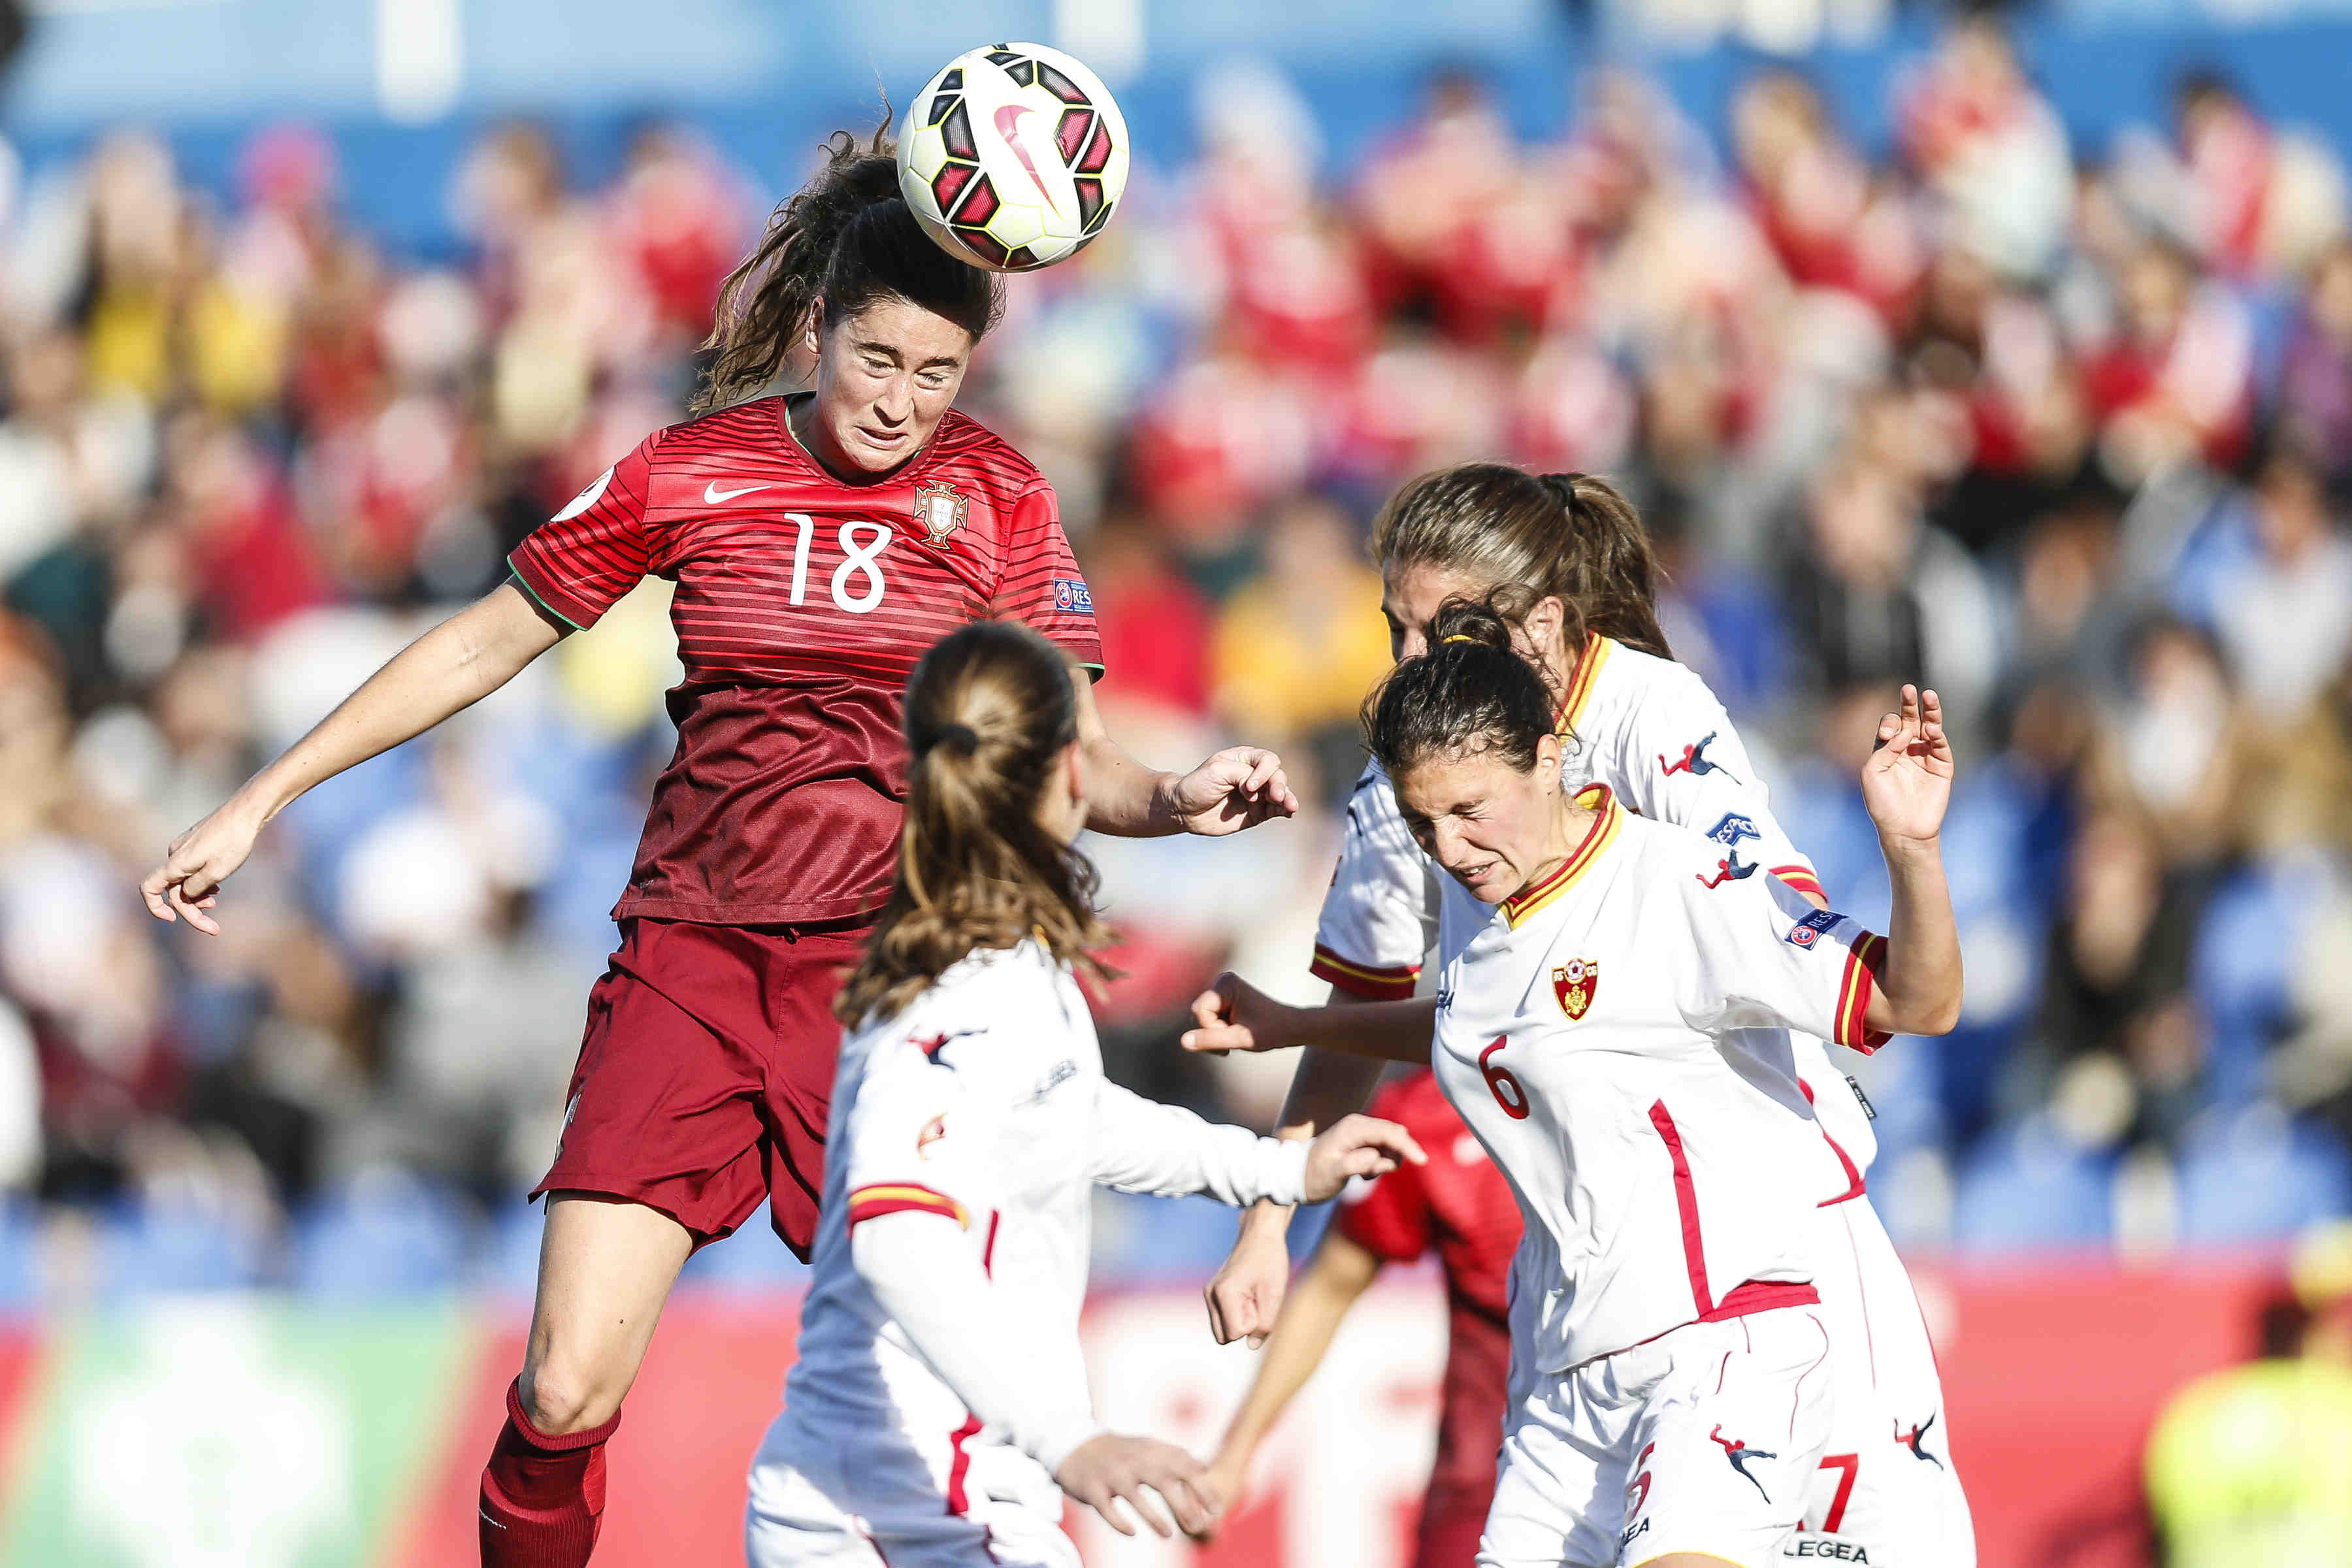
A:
(543, 1497)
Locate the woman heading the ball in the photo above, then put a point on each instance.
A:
(1571, 562)
(937, 1413)
(1669, 1398)
(819, 542)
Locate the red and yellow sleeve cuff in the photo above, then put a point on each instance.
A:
(1853, 994)
(1802, 877)
(901, 1197)
(1362, 979)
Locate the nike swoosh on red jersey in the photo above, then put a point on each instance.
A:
(712, 495)
(1008, 121)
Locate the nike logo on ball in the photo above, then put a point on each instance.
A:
(712, 495)
(1008, 121)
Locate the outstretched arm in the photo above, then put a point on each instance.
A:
(1139, 1145)
(1238, 787)
(1235, 1016)
(1340, 1272)
(1906, 785)
(452, 666)
(1245, 1293)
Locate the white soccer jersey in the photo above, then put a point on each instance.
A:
(983, 1102)
(1580, 1033)
(1650, 730)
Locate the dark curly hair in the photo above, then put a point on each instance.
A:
(1471, 692)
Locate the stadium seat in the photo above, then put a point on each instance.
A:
(1821, 809)
(508, 1263)
(20, 1260)
(2255, 1175)
(752, 1261)
(1142, 1240)
(165, 1248)
(377, 1238)
(2242, 970)
(1907, 1114)
(2028, 1188)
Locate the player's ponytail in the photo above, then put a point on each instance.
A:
(1613, 573)
(989, 710)
(1572, 537)
(847, 237)
(1471, 692)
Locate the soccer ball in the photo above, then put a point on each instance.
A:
(1014, 157)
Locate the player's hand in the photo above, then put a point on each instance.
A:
(1235, 1016)
(1907, 781)
(1245, 1295)
(1105, 1468)
(1224, 1476)
(1239, 787)
(1357, 1146)
(198, 861)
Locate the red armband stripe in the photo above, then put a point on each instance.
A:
(902, 1197)
(1802, 877)
(1862, 963)
(1391, 984)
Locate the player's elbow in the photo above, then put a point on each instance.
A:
(1934, 1014)
(1941, 1019)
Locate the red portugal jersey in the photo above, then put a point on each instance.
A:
(1460, 1205)
(802, 603)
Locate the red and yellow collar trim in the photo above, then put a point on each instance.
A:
(1580, 681)
(1609, 817)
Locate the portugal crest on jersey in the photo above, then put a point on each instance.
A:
(1574, 982)
(940, 510)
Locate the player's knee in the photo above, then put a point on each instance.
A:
(558, 1399)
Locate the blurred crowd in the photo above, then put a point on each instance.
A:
(2065, 430)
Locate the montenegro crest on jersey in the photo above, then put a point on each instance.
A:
(1574, 982)
(940, 510)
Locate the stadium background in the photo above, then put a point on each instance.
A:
(1978, 350)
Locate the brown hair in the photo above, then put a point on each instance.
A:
(849, 239)
(988, 709)
(1572, 536)
(1471, 692)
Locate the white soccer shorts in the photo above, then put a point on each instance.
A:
(1704, 1439)
(883, 1500)
(1886, 1494)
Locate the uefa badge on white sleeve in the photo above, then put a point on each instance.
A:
(1809, 930)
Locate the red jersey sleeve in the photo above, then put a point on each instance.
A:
(580, 561)
(1391, 1221)
(1040, 584)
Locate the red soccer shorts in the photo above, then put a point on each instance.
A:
(706, 1074)
(1472, 1401)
